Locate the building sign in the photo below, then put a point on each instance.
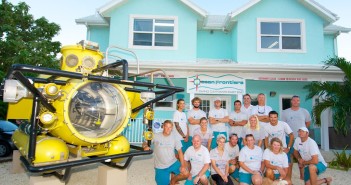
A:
(212, 84)
(283, 78)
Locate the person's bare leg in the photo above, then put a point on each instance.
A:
(204, 180)
(270, 174)
(256, 179)
(177, 178)
(313, 174)
(289, 174)
(301, 172)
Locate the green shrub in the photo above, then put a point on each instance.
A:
(342, 161)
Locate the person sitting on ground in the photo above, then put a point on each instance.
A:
(165, 160)
(220, 163)
(250, 161)
(276, 161)
(308, 156)
(253, 127)
(205, 133)
(199, 159)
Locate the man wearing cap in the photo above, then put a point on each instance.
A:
(308, 156)
(296, 117)
(218, 117)
(194, 115)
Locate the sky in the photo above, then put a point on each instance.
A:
(64, 13)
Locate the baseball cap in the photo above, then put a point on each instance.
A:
(217, 98)
(304, 129)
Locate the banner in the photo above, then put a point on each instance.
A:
(211, 84)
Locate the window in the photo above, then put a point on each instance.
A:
(207, 102)
(150, 32)
(280, 35)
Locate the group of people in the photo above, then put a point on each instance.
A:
(250, 145)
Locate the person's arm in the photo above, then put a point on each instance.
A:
(314, 160)
(231, 122)
(263, 118)
(214, 120)
(202, 172)
(308, 123)
(145, 146)
(193, 121)
(259, 144)
(266, 142)
(291, 136)
(243, 165)
(241, 123)
(216, 169)
(224, 120)
(179, 129)
(183, 166)
(209, 144)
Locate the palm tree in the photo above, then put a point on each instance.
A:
(334, 95)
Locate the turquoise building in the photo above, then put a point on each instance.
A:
(274, 47)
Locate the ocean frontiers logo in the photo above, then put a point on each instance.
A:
(207, 84)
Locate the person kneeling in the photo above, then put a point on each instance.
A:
(276, 161)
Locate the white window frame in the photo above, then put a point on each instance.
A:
(211, 98)
(131, 32)
(280, 50)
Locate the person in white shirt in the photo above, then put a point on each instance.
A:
(218, 118)
(180, 127)
(220, 163)
(205, 133)
(308, 156)
(253, 127)
(199, 159)
(233, 151)
(261, 110)
(276, 161)
(237, 120)
(250, 161)
(296, 117)
(247, 107)
(281, 130)
(165, 161)
(194, 115)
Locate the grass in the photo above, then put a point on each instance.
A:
(342, 161)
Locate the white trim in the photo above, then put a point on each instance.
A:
(244, 8)
(194, 7)
(113, 4)
(310, 4)
(325, 12)
(131, 35)
(280, 50)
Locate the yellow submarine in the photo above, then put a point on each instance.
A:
(75, 115)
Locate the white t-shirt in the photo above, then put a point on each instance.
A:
(180, 117)
(218, 113)
(296, 118)
(204, 136)
(281, 130)
(258, 134)
(246, 110)
(261, 111)
(232, 151)
(237, 116)
(221, 161)
(280, 159)
(252, 158)
(164, 150)
(307, 149)
(197, 159)
(196, 114)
